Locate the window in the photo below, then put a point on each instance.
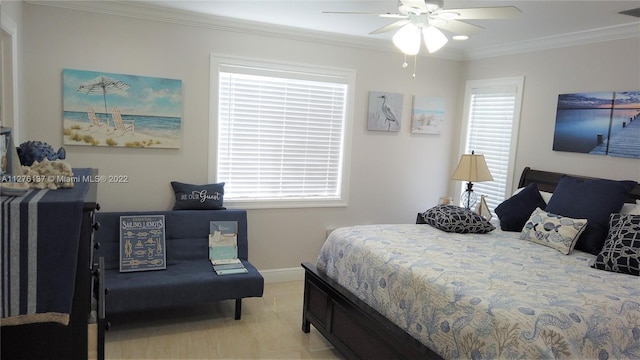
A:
(281, 133)
(492, 116)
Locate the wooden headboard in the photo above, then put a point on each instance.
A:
(547, 181)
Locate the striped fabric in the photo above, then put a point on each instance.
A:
(40, 238)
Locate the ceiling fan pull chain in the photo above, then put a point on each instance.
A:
(415, 60)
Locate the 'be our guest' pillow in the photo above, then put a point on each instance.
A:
(516, 210)
(591, 199)
(198, 197)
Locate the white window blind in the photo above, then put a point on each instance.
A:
(280, 135)
(493, 116)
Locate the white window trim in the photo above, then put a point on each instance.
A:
(518, 82)
(221, 61)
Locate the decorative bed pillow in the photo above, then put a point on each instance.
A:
(546, 196)
(456, 219)
(621, 250)
(591, 199)
(515, 211)
(555, 231)
(631, 209)
(198, 197)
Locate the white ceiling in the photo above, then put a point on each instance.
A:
(542, 21)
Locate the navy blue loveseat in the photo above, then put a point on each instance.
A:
(188, 278)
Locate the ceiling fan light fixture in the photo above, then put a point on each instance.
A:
(434, 39)
(407, 39)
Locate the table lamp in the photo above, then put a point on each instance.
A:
(471, 168)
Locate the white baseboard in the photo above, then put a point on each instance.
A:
(281, 275)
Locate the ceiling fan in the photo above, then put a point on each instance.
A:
(425, 18)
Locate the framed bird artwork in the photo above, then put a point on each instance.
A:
(385, 111)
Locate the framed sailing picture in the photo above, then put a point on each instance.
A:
(142, 243)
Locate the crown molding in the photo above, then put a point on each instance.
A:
(617, 32)
(174, 16)
(180, 17)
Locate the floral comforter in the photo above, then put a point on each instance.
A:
(487, 296)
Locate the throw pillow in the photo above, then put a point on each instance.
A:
(451, 218)
(198, 197)
(516, 210)
(555, 231)
(631, 209)
(621, 250)
(591, 199)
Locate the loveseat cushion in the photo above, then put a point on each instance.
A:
(181, 284)
(186, 234)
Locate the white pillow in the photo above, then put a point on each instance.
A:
(546, 196)
(631, 209)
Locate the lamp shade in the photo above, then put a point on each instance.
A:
(407, 39)
(472, 167)
(434, 39)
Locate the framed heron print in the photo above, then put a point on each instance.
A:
(117, 110)
(385, 111)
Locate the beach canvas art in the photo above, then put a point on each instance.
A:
(117, 110)
(601, 123)
(428, 115)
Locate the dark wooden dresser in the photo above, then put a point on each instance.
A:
(49, 275)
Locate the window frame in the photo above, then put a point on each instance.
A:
(518, 83)
(278, 68)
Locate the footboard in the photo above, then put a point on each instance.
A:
(353, 327)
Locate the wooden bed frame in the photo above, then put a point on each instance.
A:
(357, 330)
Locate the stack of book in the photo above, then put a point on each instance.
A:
(223, 248)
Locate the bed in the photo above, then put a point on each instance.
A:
(414, 291)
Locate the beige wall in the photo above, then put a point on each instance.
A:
(393, 175)
(11, 13)
(603, 66)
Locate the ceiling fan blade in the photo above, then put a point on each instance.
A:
(386, 15)
(498, 12)
(458, 27)
(393, 16)
(415, 4)
(351, 13)
(390, 27)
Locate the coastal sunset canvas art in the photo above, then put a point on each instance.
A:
(601, 123)
(117, 110)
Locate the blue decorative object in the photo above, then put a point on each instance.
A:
(31, 151)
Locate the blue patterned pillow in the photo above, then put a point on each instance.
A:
(456, 219)
(555, 231)
(621, 250)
